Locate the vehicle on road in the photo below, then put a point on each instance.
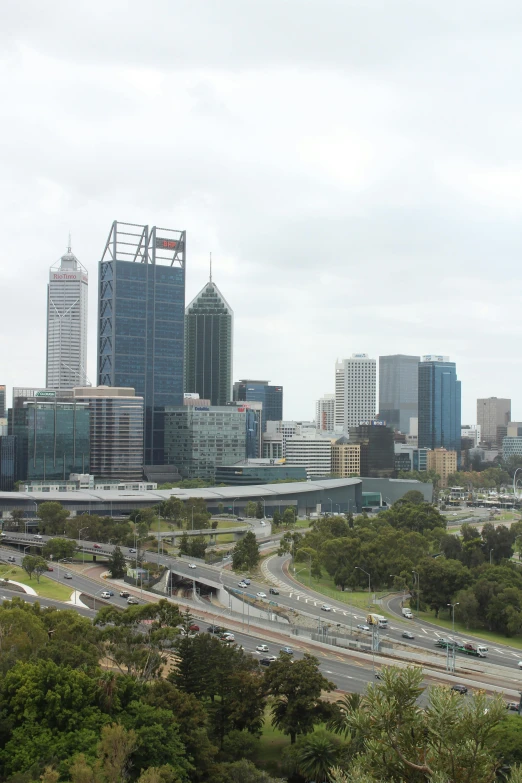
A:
(326, 608)
(11, 559)
(262, 523)
(240, 519)
(377, 619)
(132, 600)
(105, 594)
(227, 637)
(124, 594)
(261, 595)
(287, 650)
(37, 535)
(512, 705)
(262, 648)
(242, 584)
(407, 613)
(459, 689)
(50, 568)
(408, 635)
(468, 648)
(194, 627)
(192, 565)
(132, 551)
(67, 575)
(65, 560)
(216, 629)
(273, 591)
(363, 627)
(96, 546)
(246, 580)
(265, 661)
(519, 663)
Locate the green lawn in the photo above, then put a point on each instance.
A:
(271, 743)
(461, 630)
(47, 587)
(325, 586)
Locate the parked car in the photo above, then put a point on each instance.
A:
(192, 565)
(96, 546)
(287, 650)
(11, 559)
(124, 593)
(67, 575)
(132, 600)
(408, 635)
(242, 584)
(363, 627)
(273, 591)
(262, 648)
(459, 689)
(105, 594)
(261, 595)
(326, 608)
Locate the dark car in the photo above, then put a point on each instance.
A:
(265, 661)
(215, 629)
(273, 591)
(459, 689)
(512, 705)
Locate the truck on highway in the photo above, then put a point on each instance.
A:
(468, 648)
(378, 620)
(407, 613)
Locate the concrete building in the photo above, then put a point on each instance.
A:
(3, 408)
(270, 396)
(209, 324)
(408, 457)
(471, 432)
(346, 458)
(198, 440)
(377, 449)
(192, 398)
(312, 452)
(493, 417)
(439, 404)
(512, 446)
(116, 432)
(7, 462)
(442, 462)
(282, 431)
(258, 471)
(514, 429)
(325, 413)
(355, 391)
(67, 294)
(398, 390)
(141, 321)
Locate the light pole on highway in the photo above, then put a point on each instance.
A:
(453, 615)
(35, 512)
(331, 505)
(233, 505)
(79, 542)
(490, 553)
(358, 568)
(416, 573)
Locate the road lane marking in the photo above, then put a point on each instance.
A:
(424, 630)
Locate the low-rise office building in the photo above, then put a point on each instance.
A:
(377, 448)
(442, 462)
(346, 458)
(259, 472)
(311, 452)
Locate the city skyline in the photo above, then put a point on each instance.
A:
(379, 189)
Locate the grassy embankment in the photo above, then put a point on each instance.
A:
(47, 588)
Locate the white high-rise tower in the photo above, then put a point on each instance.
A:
(355, 386)
(67, 324)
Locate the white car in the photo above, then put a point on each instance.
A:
(363, 627)
(105, 594)
(242, 584)
(520, 664)
(326, 608)
(262, 648)
(192, 565)
(261, 595)
(132, 551)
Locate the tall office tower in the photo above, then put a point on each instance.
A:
(67, 324)
(141, 317)
(209, 324)
(398, 390)
(439, 404)
(493, 417)
(2, 402)
(355, 391)
(261, 391)
(325, 413)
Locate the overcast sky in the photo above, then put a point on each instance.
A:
(355, 167)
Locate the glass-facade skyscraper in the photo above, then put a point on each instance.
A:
(398, 390)
(439, 404)
(261, 391)
(141, 317)
(208, 346)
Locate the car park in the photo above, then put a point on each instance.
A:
(261, 595)
(124, 593)
(273, 591)
(132, 600)
(11, 559)
(67, 575)
(459, 689)
(262, 648)
(408, 635)
(363, 627)
(192, 565)
(105, 594)
(326, 608)
(241, 584)
(287, 650)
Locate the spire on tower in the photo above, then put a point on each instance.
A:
(211, 267)
(69, 245)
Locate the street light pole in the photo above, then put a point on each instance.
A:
(358, 568)
(418, 587)
(490, 553)
(233, 505)
(453, 615)
(79, 544)
(331, 505)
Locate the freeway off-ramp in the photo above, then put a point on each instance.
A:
(336, 664)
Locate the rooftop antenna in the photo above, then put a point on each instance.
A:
(69, 245)
(211, 267)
